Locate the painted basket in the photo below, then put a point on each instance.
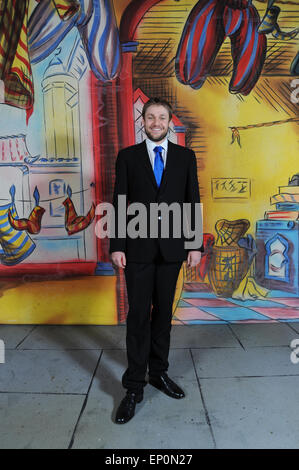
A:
(228, 266)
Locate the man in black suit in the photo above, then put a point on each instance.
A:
(155, 171)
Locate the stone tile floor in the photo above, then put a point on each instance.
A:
(60, 388)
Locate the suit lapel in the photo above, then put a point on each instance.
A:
(146, 164)
(169, 167)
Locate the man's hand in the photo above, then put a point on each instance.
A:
(118, 259)
(193, 259)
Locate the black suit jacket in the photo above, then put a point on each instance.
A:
(135, 179)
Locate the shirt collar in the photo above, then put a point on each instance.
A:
(152, 144)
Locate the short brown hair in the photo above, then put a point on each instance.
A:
(157, 101)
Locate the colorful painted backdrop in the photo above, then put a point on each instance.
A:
(74, 75)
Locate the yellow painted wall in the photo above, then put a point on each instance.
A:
(268, 156)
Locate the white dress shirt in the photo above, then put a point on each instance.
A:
(150, 149)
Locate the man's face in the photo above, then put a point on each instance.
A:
(156, 122)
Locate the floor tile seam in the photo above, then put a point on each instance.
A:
(249, 376)
(290, 325)
(84, 402)
(203, 403)
(29, 333)
(245, 348)
(236, 336)
(204, 347)
(238, 348)
(172, 348)
(56, 349)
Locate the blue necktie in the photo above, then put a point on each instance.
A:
(158, 164)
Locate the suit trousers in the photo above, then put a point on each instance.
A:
(151, 289)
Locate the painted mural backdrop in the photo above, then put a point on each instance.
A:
(74, 75)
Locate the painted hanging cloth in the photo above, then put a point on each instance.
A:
(249, 244)
(249, 289)
(208, 242)
(236, 136)
(33, 223)
(15, 246)
(15, 67)
(66, 8)
(295, 65)
(207, 26)
(96, 24)
(236, 130)
(269, 24)
(73, 222)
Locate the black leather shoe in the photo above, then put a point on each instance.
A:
(166, 385)
(126, 409)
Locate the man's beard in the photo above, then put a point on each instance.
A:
(156, 139)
